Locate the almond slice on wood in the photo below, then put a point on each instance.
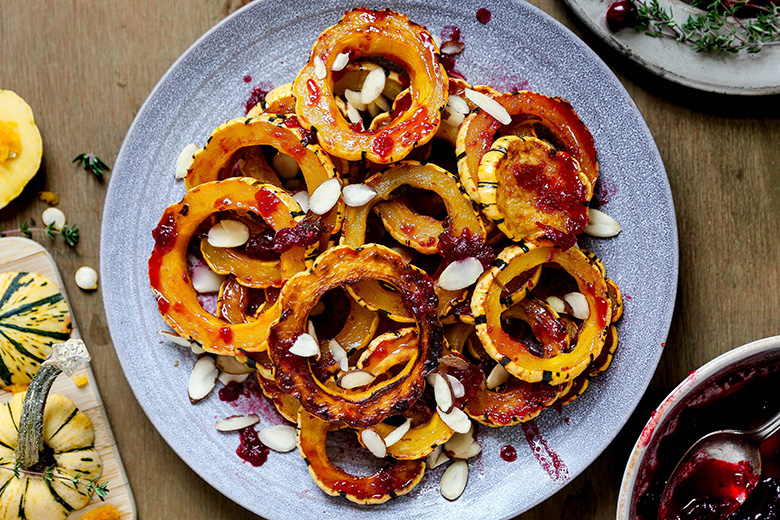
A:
(281, 438)
(398, 434)
(203, 378)
(237, 422)
(374, 442)
(454, 480)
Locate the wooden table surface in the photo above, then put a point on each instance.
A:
(86, 67)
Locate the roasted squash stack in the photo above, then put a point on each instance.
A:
(414, 297)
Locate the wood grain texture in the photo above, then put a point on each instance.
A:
(86, 66)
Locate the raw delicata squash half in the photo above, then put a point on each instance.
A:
(21, 147)
(33, 316)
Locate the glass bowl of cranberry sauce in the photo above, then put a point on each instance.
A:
(737, 390)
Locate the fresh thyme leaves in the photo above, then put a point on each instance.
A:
(92, 163)
(93, 487)
(717, 28)
(70, 234)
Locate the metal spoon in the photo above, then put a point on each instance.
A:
(716, 475)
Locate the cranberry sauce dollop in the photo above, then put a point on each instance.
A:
(307, 232)
(742, 400)
(251, 449)
(453, 248)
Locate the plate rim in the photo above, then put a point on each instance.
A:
(596, 61)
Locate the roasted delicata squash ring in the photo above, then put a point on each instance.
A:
(277, 130)
(417, 231)
(359, 327)
(232, 301)
(342, 266)
(524, 184)
(514, 402)
(556, 115)
(287, 406)
(176, 299)
(512, 354)
(379, 487)
(368, 33)
(616, 299)
(277, 101)
(545, 324)
(375, 297)
(250, 272)
(354, 74)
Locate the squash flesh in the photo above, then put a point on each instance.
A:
(21, 147)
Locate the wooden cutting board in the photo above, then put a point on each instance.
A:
(21, 254)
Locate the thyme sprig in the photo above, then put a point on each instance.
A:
(70, 234)
(93, 486)
(92, 163)
(717, 28)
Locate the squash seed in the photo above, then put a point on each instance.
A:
(454, 480)
(281, 438)
(237, 422)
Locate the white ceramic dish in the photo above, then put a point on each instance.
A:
(664, 419)
(725, 73)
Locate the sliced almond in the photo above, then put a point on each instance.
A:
(226, 378)
(452, 47)
(460, 274)
(281, 438)
(454, 119)
(458, 390)
(352, 114)
(455, 362)
(489, 105)
(436, 458)
(373, 109)
(184, 161)
(231, 365)
(325, 196)
(457, 104)
(339, 355)
(356, 195)
(374, 442)
(373, 85)
(285, 166)
(53, 217)
(320, 71)
(459, 441)
(497, 377)
(305, 346)
(437, 40)
(556, 304)
(454, 480)
(382, 104)
(353, 98)
(465, 452)
(456, 419)
(340, 62)
(398, 434)
(312, 331)
(601, 225)
(175, 338)
(579, 305)
(203, 378)
(355, 378)
(442, 390)
(204, 280)
(228, 233)
(302, 198)
(237, 422)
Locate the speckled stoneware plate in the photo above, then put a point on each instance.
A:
(725, 73)
(269, 41)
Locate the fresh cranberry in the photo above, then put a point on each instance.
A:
(256, 96)
(621, 14)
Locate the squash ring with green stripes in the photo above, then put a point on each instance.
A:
(33, 316)
(525, 186)
(514, 355)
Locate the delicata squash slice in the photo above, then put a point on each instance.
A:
(176, 299)
(342, 265)
(277, 130)
(386, 483)
(555, 115)
(526, 187)
(21, 147)
(514, 355)
(365, 33)
(417, 231)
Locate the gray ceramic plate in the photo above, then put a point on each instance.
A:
(269, 41)
(741, 74)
